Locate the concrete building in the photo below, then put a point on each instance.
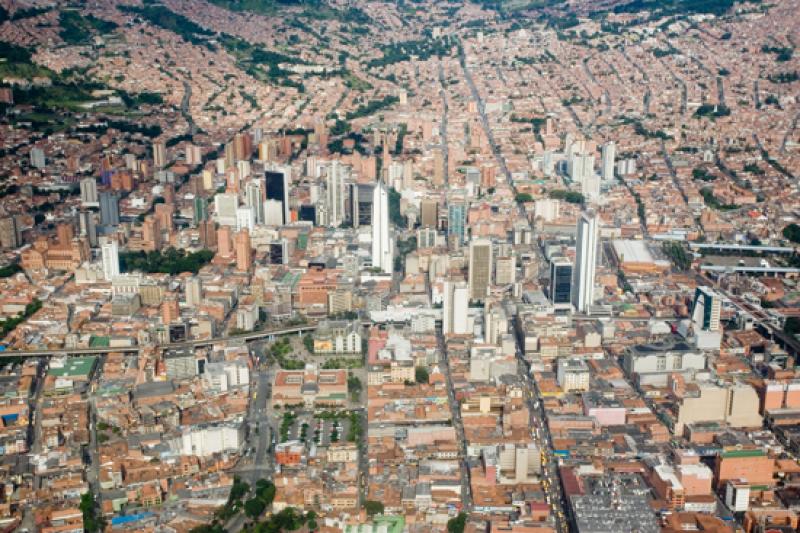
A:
(561, 283)
(573, 375)
(585, 262)
(382, 245)
(204, 441)
(337, 337)
(607, 160)
(455, 308)
(89, 196)
(480, 269)
(652, 364)
(222, 376)
(180, 363)
(737, 405)
(110, 253)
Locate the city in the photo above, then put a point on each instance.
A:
(399, 267)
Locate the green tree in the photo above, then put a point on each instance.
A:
(792, 325)
(254, 507)
(421, 374)
(372, 507)
(457, 524)
(792, 232)
(308, 342)
(88, 507)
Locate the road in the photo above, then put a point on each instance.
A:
(443, 127)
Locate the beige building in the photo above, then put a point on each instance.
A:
(735, 405)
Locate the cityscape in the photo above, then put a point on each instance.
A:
(401, 266)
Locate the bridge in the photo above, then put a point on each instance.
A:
(268, 334)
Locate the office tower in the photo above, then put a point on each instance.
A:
(609, 153)
(200, 212)
(159, 155)
(548, 163)
(382, 246)
(110, 252)
(480, 268)
(225, 205)
(194, 291)
(457, 220)
(37, 158)
(277, 185)
(706, 309)
(426, 238)
(208, 234)
(561, 282)
(273, 213)
(334, 187)
(505, 270)
(361, 199)
(10, 235)
(254, 198)
(454, 308)
(164, 214)
(585, 262)
(88, 192)
(429, 213)
(151, 233)
(87, 227)
(109, 208)
(193, 155)
(244, 251)
(245, 218)
(580, 167)
(225, 241)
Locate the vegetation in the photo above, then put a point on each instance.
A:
(308, 342)
(792, 325)
(714, 203)
(279, 350)
(395, 216)
(91, 521)
(265, 494)
(356, 430)
(703, 174)
(784, 77)
(678, 254)
(161, 16)
(792, 232)
(9, 270)
(371, 107)
(712, 110)
(343, 362)
(79, 29)
(524, 197)
(372, 507)
(457, 524)
(651, 134)
(782, 53)
(402, 51)
(170, 261)
(568, 196)
(665, 8)
(9, 324)
(421, 374)
(354, 387)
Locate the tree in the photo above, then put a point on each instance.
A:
(421, 374)
(308, 342)
(457, 524)
(792, 232)
(91, 522)
(254, 507)
(265, 490)
(792, 325)
(372, 507)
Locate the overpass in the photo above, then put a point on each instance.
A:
(268, 334)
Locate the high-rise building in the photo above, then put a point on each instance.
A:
(159, 155)
(334, 187)
(608, 156)
(164, 213)
(225, 205)
(254, 198)
(277, 188)
(706, 309)
(10, 235)
(457, 220)
(200, 212)
(194, 291)
(110, 253)
(590, 187)
(585, 262)
(170, 310)
(151, 233)
(561, 282)
(581, 167)
(109, 208)
(88, 192)
(245, 218)
(207, 230)
(244, 251)
(480, 268)
(87, 227)
(505, 270)
(429, 213)
(426, 238)
(454, 310)
(382, 245)
(361, 199)
(37, 158)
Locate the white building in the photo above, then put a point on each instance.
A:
(245, 218)
(573, 375)
(222, 376)
(609, 153)
(205, 441)
(226, 205)
(456, 304)
(585, 262)
(89, 192)
(382, 245)
(335, 191)
(110, 252)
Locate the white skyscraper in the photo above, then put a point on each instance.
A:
(245, 218)
(335, 190)
(608, 155)
(89, 192)
(110, 252)
(225, 205)
(590, 187)
(254, 198)
(585, 262)
(581, 167)
(454, 310)
(382, 246)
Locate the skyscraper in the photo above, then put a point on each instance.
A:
(109, 208)
(194, 291)
(88, 192)
(200, 212)
(480, 268)
(244, 251)
(225, 205)
(382, 246)
(585, 262)
(159, 155)
(87, 227)
(429, 213)
(706, 309)
(454, 310)
(334, 187)
(609, 153)
(561, 282)
(457, 220)
(110, 252)
(277, 185)
(254, 198)
(9, 232)
(361, 201)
